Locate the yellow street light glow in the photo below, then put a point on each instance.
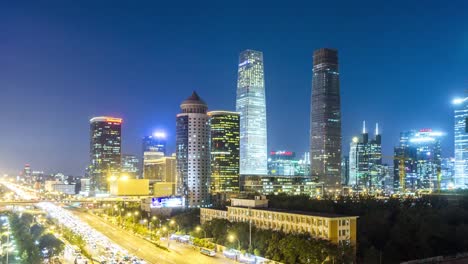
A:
(172, 222)
(136, 212)
(112, 178)
(124, 178)
(231, 238)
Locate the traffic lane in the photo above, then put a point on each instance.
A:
(146, 250)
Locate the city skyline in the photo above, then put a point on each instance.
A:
(48, 103)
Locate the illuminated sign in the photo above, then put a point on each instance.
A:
(112, 119)
(282, 153)
(426, 130)
(167, 202)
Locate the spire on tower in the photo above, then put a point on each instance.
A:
(376, 129)
(364, 126)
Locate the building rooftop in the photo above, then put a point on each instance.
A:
(194, 99)
(317, 214)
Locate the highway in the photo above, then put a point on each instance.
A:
(179, 253)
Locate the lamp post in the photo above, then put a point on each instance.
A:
(172, 222)
(165, 229)
(134, 218)
(232, 238)
(200, 229)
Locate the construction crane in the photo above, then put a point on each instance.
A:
(401, 169)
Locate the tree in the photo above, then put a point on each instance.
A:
(52, 244)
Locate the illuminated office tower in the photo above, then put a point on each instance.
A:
(193, 152)
(325, 117)
(460, 178)
(224, 129)
(156, 143)
(105, 151)
(365, 162)
(154, 148)
(250, 103)
(421, 153)
(130, 164)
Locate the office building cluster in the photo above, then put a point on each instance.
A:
(221, 153)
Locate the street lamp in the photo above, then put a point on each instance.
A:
(134, 218)
(172, 222)
(232, 238)
(165, 229)
(200, 229)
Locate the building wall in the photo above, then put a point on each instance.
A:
(335, 229)
(130, 187)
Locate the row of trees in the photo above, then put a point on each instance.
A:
(394, 230)
(276, 245)
(32, 240)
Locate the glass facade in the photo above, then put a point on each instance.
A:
(325, 138)
(251, 105)
(155, 143)
(365, 162)
(418, 161)
(105, 151)
(285, 163)
(225, 141)
(193, 152)
(130, 165)
(461, 143)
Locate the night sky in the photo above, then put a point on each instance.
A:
(63, 62)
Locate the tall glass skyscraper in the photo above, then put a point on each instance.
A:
(460, 178)
(224, 129)
(105, 151)
(325, 125)
(193, 152)
(251, 105)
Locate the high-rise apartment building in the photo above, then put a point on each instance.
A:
(225, 144)
(250, 103)
(193, 152)
(460, 178)
(130, 165)
(105, 151)
(325, 126)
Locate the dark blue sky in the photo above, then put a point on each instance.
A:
(62, 62)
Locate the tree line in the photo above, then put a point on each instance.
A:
(393, 230)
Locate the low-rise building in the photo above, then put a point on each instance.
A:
(129, 187)
(335, 228)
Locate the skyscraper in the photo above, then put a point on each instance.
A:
(105, 151)
(421, 152)
(325, 125)
(460, 178)
(225, 138)
(365, 162)
(193, 152)
(251, 105)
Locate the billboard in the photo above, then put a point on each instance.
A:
(167, 202)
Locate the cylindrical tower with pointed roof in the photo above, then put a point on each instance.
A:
(193, 152)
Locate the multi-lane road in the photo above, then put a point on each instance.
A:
(178, 253)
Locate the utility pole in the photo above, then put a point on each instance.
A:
(250, 229)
